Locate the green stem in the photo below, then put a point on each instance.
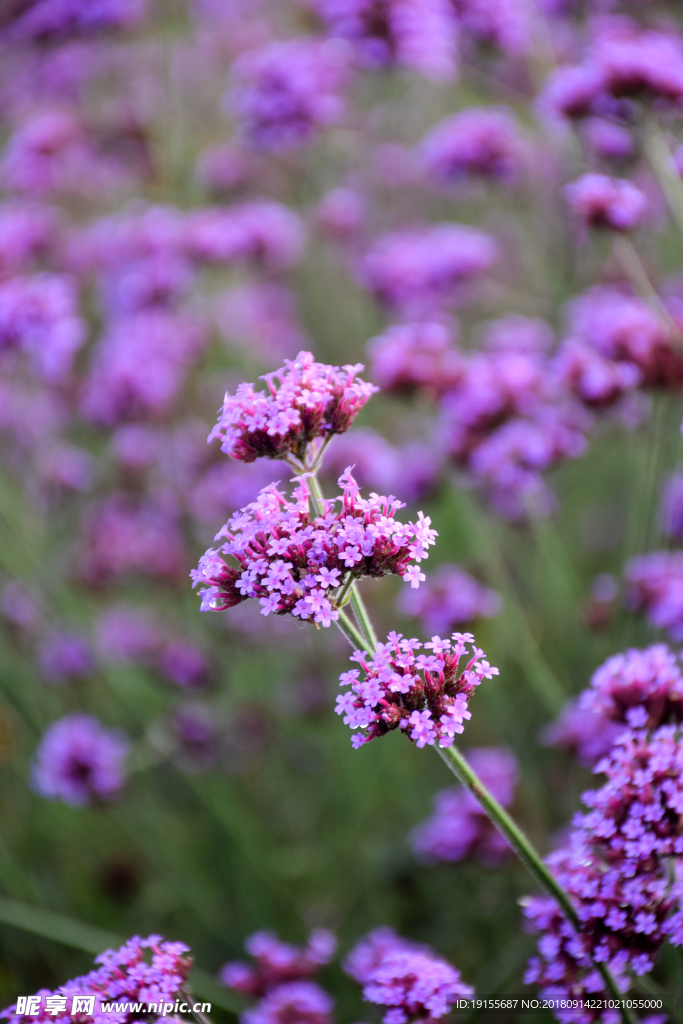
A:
(369, 637)
(525, 851)
(659, 155)
(356, 639)
(342, 594)
(363, 619)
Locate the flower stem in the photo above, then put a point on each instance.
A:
(363, 619)
(355, 638)
(526, 852)
(659, 156)
(368, 637)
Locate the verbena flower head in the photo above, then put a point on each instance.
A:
(425, 695)
(286, 91)
(648, 680)
(607, 139)
(625, 329)
(412, 981)
(139, 366)
(478, 142)
(406, 357)
(39, 316)
(614, 868)
(603, 202)
(302, 1002)
(450, 597)
(276, 962)
(122, 535)
(79, 761)
(305, 400)
(27, 231)
(294, 562)
(419, 272)
(50, 19)
(624, 62)
(459, 828)
(506, 25)
(508, 418)
(583, 731)
(416, 34)
(655, 586)
(65, 657)
(150, 970)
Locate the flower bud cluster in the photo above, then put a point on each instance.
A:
(426, 695)
(305, 400)
(280, 978)
(149, 970)
(614, 866)
(294, 560)
(412, 981)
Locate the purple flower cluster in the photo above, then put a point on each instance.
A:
(624, 329)
(416, 34)
(140, 365)
(122, 535)
(65, 657)
(459, 828)
(406, 357)
(125, 633)
(412, 981)
(650, 679)
(420, 272)
(654, 585)
(449, 597)
(477, 142)
(603, 202)
(508, 418)
(584, 732)
(150, 970)
(412, 467)
(624, 62)
(285, 92)
(614, 866)
(280, 979)
(39, 316)
(506, 25)
(296, 562)
(305, 400)
(614, 870)
(425, 695)
(49, 19)
(79, 761)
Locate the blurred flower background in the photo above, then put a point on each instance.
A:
(482, 202)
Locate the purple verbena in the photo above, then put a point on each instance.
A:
(603, 202)
(654, 586)
(449, 597)
(412, 981)
(295, 561)
(478, 142)
(459, 828)
(287, 91)
(420, 272)
(425, 695)
(79, 761)
(416, 34)
(65, 657)
(305, 400)
(150, 970)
